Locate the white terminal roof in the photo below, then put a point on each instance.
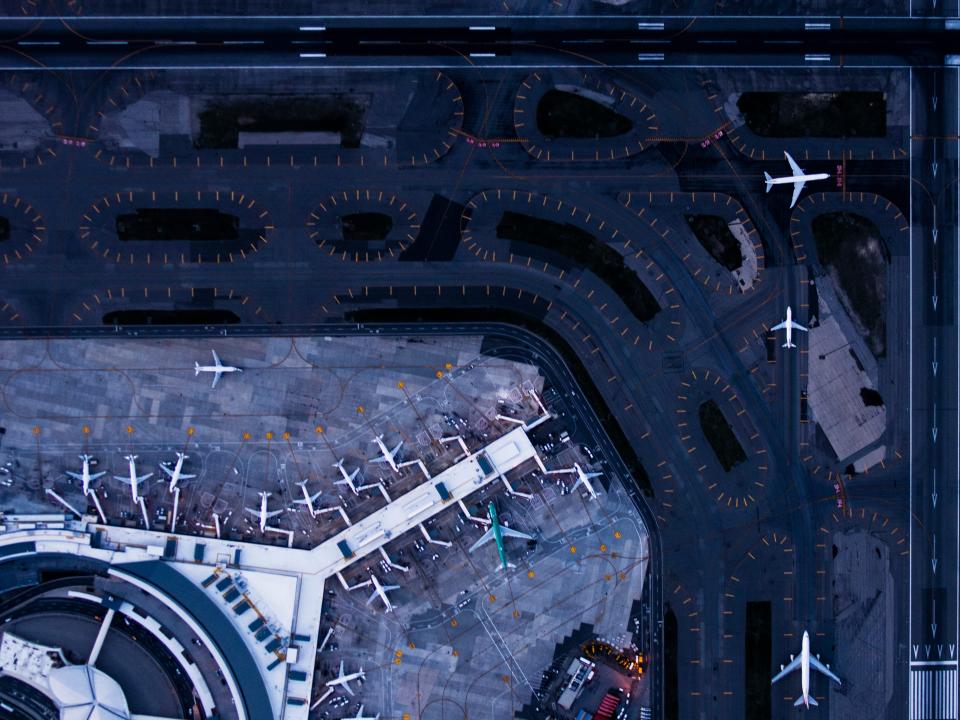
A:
(363, 537)
(314, 566)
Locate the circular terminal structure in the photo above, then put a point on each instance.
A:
(179, 228)
(576, 244)
(709, 231)
(577, 116)
(439, 106)
(363, 225)
(722, 440)
(166, 306)
(32, 111)
(22, 228)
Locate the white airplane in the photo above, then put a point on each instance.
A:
(84, 476)
(343, 680)
(348, 478)
(584, 478)
(386, 455)
(789, 325)
(176, 475)
(263, 514)
(381, 591)
(805, 662)
(133, 478)
(307, 498)
(361, 716)
(218, 368)
(799, 178)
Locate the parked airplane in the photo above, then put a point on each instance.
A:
(386, 455)
(789, 325)
(217, 368)
(133, 478)
(343, 680)
(799, 178)
(361, 716)
(348, 478)
(84, 476)
(497, 533)
(584, 478)
(307, 498)
(381, 591)
(805, 662)
(176, 475)
(263, 514)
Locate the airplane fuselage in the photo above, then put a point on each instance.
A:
(380, 591)
(805, 669)
(307, 500)
(215, 369)
(175, 477)
(791, 179)
(387, 456)
(263, 511)
(497, 535)
(85, 477)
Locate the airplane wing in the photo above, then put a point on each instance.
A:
(797, 188)
(380, 459)
(255, 513)
(141, 478)
(216, 359)
(76, 476)
(167, 470)
(794, 664)
(395, 448)
(274, 513)
(94, 476)
(795, 326)
(373, 596)
(485, 538)
(814, 663)
(216, 377)
(781, 326)
(346, 686)
(794, 168)
(510, 532)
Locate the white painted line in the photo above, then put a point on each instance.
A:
(481, 55)
(312, 28)
(243, 42)
(19, 67)
(816, 26)
(816, 57)
(106, 42)
(38, 42)
(650, 57)
(912, 693)
(649, 26)
(313, 55)
(479, 28)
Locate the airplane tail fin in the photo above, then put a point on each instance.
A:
(788, 345)
(769, 180)
(196, 369)
(810, 699)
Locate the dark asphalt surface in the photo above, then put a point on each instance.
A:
(697, 545)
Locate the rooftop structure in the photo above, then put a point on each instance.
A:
(263, 622)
